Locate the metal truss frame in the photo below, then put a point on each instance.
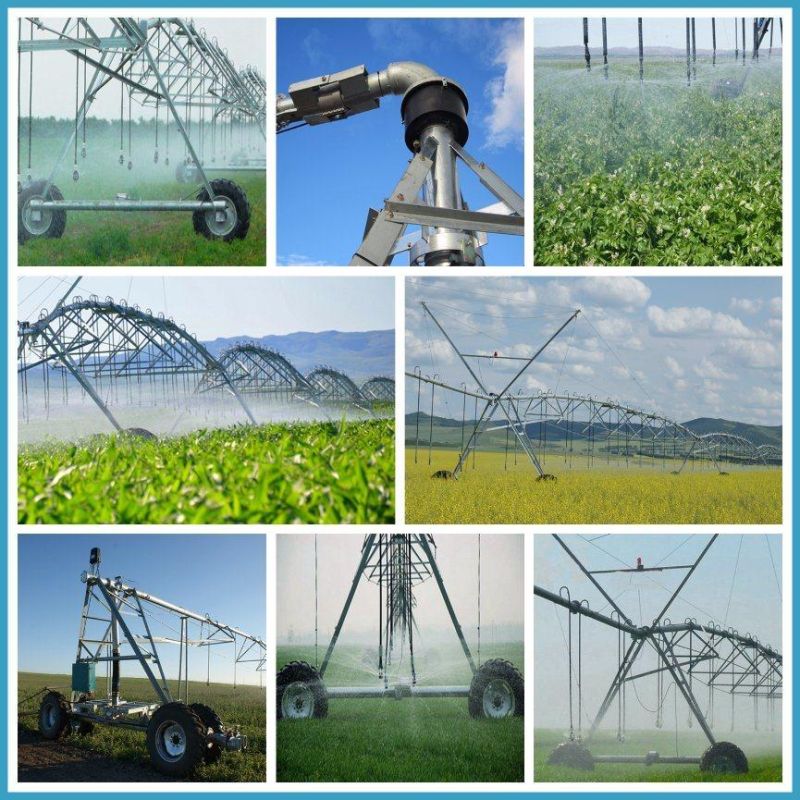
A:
(103, 340)
(721, 658)
(160, 60)
(397, 563)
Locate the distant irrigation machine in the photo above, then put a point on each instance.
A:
(106, 350)
(605, 427)
(691, 653)
(115, 627)
(214, 111)
(428, 195)
(397, 563)
(760, 28)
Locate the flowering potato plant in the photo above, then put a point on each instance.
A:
(658, 173)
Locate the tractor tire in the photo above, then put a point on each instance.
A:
(52, 224)
(213, 724)
(53, 715)
(497, 691)
(237, 214)
(724, 758)
(572, 754)
(301, 692)
(176, 740)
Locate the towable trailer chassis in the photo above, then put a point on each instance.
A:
(180, 735)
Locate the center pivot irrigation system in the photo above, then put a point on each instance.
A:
(691, 653)
(761, 26)
(607, 427)
(115, 627)
(434, 113)
(116, 351)
(397, 563)
(189, 84)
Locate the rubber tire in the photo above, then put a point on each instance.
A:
(61, 723)
(211, 720)
(195, 740)
(729, 754)
(59, 219)
(303, 672)
(488, 671)
(238, 197)
(572, 754)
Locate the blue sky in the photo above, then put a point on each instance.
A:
(329, 176)
(684, 347)
(735, 585)
(223, 575)
(231, 306)
(656, 32)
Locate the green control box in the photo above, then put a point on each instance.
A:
(83, 677)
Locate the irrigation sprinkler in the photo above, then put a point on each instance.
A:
(434, 113)
(186, 79)
(719, 657)
(398, 563)
(115, 627)
(606, 426)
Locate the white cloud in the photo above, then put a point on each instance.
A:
(622, 292)
(752, 354)
(706, 368)
(765, 398)
(686, 321)
(507, 92)
(420, 352)
(299, 260)
(673, 367)
(745, 305)
(776, 306)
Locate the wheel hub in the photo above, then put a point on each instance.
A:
(171, 741)
(297, 701)
(498, 699)
(222, 221)
(36, 220)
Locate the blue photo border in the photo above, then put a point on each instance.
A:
(4, 388)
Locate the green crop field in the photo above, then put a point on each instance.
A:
(244, 706)
(321, 472)
(764, 759)
(657, 174)
(412, 740)
(604, 494)
(141, 238)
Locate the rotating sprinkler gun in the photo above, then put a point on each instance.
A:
(434, 113)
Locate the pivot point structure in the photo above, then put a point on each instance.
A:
(434, 113)
(115, 628)
(397, 563)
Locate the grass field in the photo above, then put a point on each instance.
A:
(764, 761)
(146, 238)
(657, 173)
(610, 494)
(320, 472)
(409, 740)
(244, 706)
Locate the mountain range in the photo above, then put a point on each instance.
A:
(359, 354)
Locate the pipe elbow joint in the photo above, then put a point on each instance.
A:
(400, 76)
